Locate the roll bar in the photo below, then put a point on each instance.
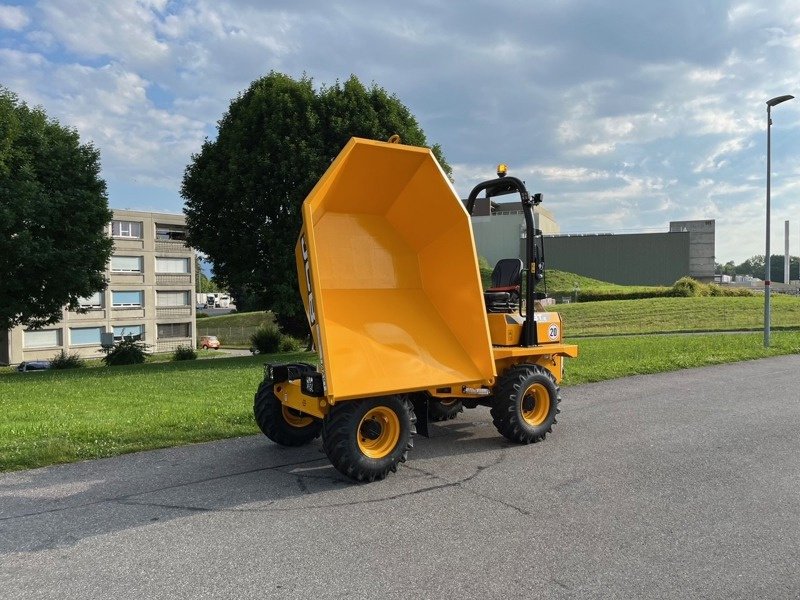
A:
(509, 185)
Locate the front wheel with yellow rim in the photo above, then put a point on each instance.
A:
(365, 439)
(283, 425)
(525, 403)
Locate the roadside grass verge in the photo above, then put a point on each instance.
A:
(600, 359)
(64, 416)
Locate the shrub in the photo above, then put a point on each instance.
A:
(184, 353)
(62, 360)
(290, 344)
(126, 352)
(202, 315)
(688, 288)
(267, 339)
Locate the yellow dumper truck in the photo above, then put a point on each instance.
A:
(404, 331)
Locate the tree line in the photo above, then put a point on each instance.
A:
(754, 267)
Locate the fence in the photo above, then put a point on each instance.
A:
(228, 336)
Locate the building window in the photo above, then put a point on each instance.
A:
(127, 299)
(85, 336)
(93, 301)
(172, 265)
(126, 229)
(172, 298)
(43, 338)
(126, 264)
(170, 232)
(128, 332)
(174, 330)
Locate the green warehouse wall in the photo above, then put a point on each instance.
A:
(627, 259)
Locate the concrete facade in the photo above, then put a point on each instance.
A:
(702, 249)
(150, 295)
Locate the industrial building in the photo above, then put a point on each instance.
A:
(150, 295)
(687, 248)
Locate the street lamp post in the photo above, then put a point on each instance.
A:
(770, 103)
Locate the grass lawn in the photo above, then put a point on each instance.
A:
(62, 416)
(707, 313)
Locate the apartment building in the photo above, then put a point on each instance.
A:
(150, 295)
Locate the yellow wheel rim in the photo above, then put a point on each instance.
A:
(535, 405)
(378, 432)
(295, 418)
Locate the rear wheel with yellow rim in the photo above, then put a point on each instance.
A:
(365, 439)
(283, 425)
(525, 403)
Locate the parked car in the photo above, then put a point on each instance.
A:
(209, 341)
(33, 365)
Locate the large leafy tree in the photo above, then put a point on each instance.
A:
(53, 214)
(244, 190)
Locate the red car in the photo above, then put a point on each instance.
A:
(209, 341)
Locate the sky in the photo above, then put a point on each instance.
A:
(626, 114)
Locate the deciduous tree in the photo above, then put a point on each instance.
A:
(244, 189)
(53, 215)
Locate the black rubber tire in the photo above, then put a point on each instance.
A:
(268, 412)
(444, 410)
(507, 406)
(340, 431)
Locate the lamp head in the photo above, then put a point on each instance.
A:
(778, 100)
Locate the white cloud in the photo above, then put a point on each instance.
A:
(713, 161)
(571, 174)
(121, 29)
(13, 17)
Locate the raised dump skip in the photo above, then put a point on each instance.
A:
(396, 302)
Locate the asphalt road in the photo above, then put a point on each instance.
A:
(680, 485)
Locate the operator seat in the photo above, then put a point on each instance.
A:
(504, 294)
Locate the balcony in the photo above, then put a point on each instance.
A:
(173, 311)
(172, 246)
(184, 279)
(94, 314)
